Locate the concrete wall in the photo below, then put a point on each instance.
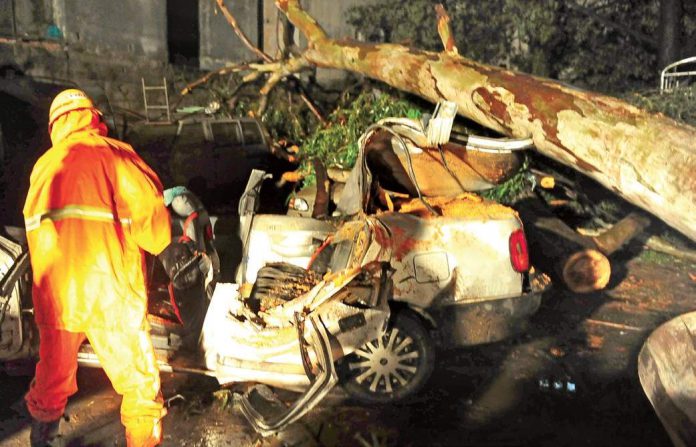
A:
(102, 44)
(137, 27)
(332, 15)
(219, 44)
(26, 18)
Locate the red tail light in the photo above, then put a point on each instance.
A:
(519, 255)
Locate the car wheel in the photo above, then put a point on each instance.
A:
(393, 366)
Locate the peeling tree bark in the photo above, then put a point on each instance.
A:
(646, 158)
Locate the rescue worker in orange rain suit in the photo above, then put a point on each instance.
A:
(92, 208)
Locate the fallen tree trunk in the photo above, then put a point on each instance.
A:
(646, 158)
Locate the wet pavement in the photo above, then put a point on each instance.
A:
(569, 380)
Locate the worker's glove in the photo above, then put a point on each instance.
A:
(181, 264)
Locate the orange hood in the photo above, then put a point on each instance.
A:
(92, 209)
(81, 120)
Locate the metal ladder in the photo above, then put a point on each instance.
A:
(149, 106)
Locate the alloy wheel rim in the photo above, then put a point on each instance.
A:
(386, 363)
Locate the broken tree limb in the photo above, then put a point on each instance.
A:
(660, 245)
(621, 232)
(445, 31)
(654, 243)
(208, 76)
(277, 69)
(313, 107)
(646, 158)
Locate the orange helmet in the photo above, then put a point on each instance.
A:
(67, 101)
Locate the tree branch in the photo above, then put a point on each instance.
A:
(220, 71)
(235, 26)
(303, 21)
(278, 69)
(445, 31)
(311, 106)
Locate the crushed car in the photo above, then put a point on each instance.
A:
(461, 273)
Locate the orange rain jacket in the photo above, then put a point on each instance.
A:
(93, 206)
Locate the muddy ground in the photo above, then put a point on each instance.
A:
(490, 395)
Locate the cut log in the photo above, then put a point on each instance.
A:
(579, 261)
(646, 158)
(567, 256)
(666, 372)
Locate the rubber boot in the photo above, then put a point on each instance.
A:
(44, 434)
(144, 432)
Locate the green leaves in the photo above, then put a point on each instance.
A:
(336, 144)
(513, 188)
(679, 104)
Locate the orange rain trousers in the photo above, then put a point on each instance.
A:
(128, 360)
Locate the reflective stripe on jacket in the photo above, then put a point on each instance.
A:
(93, 206)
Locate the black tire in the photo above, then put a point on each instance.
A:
(414, 371)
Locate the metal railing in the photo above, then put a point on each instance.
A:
(678, 74)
